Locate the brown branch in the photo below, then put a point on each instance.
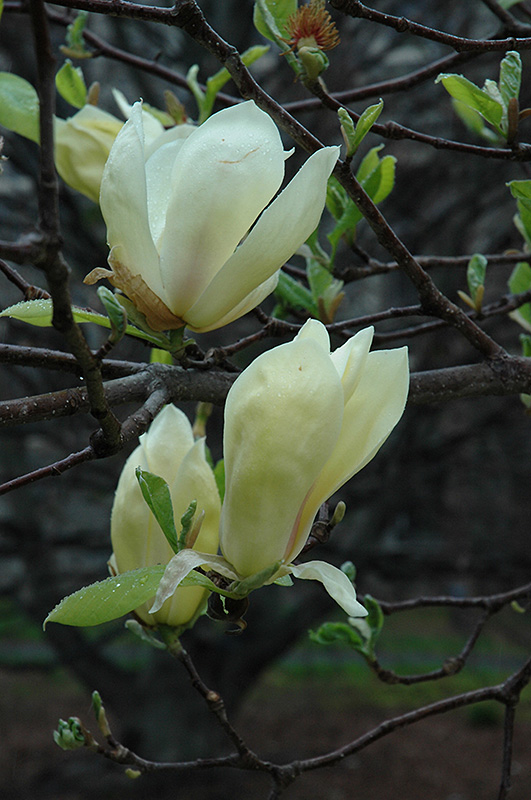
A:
(433, 302)
(489, 602)
(136, 424)
(50, 471)
(503, 693)
(29, 291)
(50, 259)
(451, 665)
(356, 9)
(376, 267)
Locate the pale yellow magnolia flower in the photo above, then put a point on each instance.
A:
(169, 451)
(83, 143)
(179, 211)
(299, 422)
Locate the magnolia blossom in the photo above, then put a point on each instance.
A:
(82, 145)
(169, 451)
(299, 422)
(190, 242)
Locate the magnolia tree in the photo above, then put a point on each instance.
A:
(202, 227)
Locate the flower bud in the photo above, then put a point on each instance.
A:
(299, 422)
(179, 210)
(168, 450)
(82, 145)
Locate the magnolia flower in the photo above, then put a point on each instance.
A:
(169, 451)
(299, 422)
(82, 145)
(179, 212)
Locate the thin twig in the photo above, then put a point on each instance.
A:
(451, 665)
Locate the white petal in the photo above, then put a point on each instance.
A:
(369, 417)
(334, 581)
(123, 202)
(170, 425)
(313, 329)
(271, 457)
(181, 565)
(252, 300)
(159, 184)
(195, 481)
(226, 173)
(350, 358)
(279, 232)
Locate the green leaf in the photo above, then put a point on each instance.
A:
(377, 176)
(510, 76)
(116, 312)
(375, 617)
(475, 275)
(75, 44)
(368, 164)
(1, 8)
(474, 122)
(71, 85)
(319, 277)
(337, 198)
(293, 294)
(39, 312)
(331, 633)
(270, 17)
(521, 191)
(364, 124)
(219, 475)
(109, 599)
(186, 525)
(156, 493)
(508, 3)
(520, 281)
(471, 95)
(525, 341)
(386, 180)
(19, 106)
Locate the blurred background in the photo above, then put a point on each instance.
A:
(443, 509)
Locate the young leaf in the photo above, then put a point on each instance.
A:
(219, 475)
(474, 122)
(355, 135)
(520, 281)
(475, 275)
(510, 76)
(75, 44)
(339, 633)
(70, 84)
(39, 313)
(156, 493)
(186, 525)
(19, 106)
(293, 294)
(471, 95)
(109, 599)
(116, 312)
(521, 191)
(270, 17)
